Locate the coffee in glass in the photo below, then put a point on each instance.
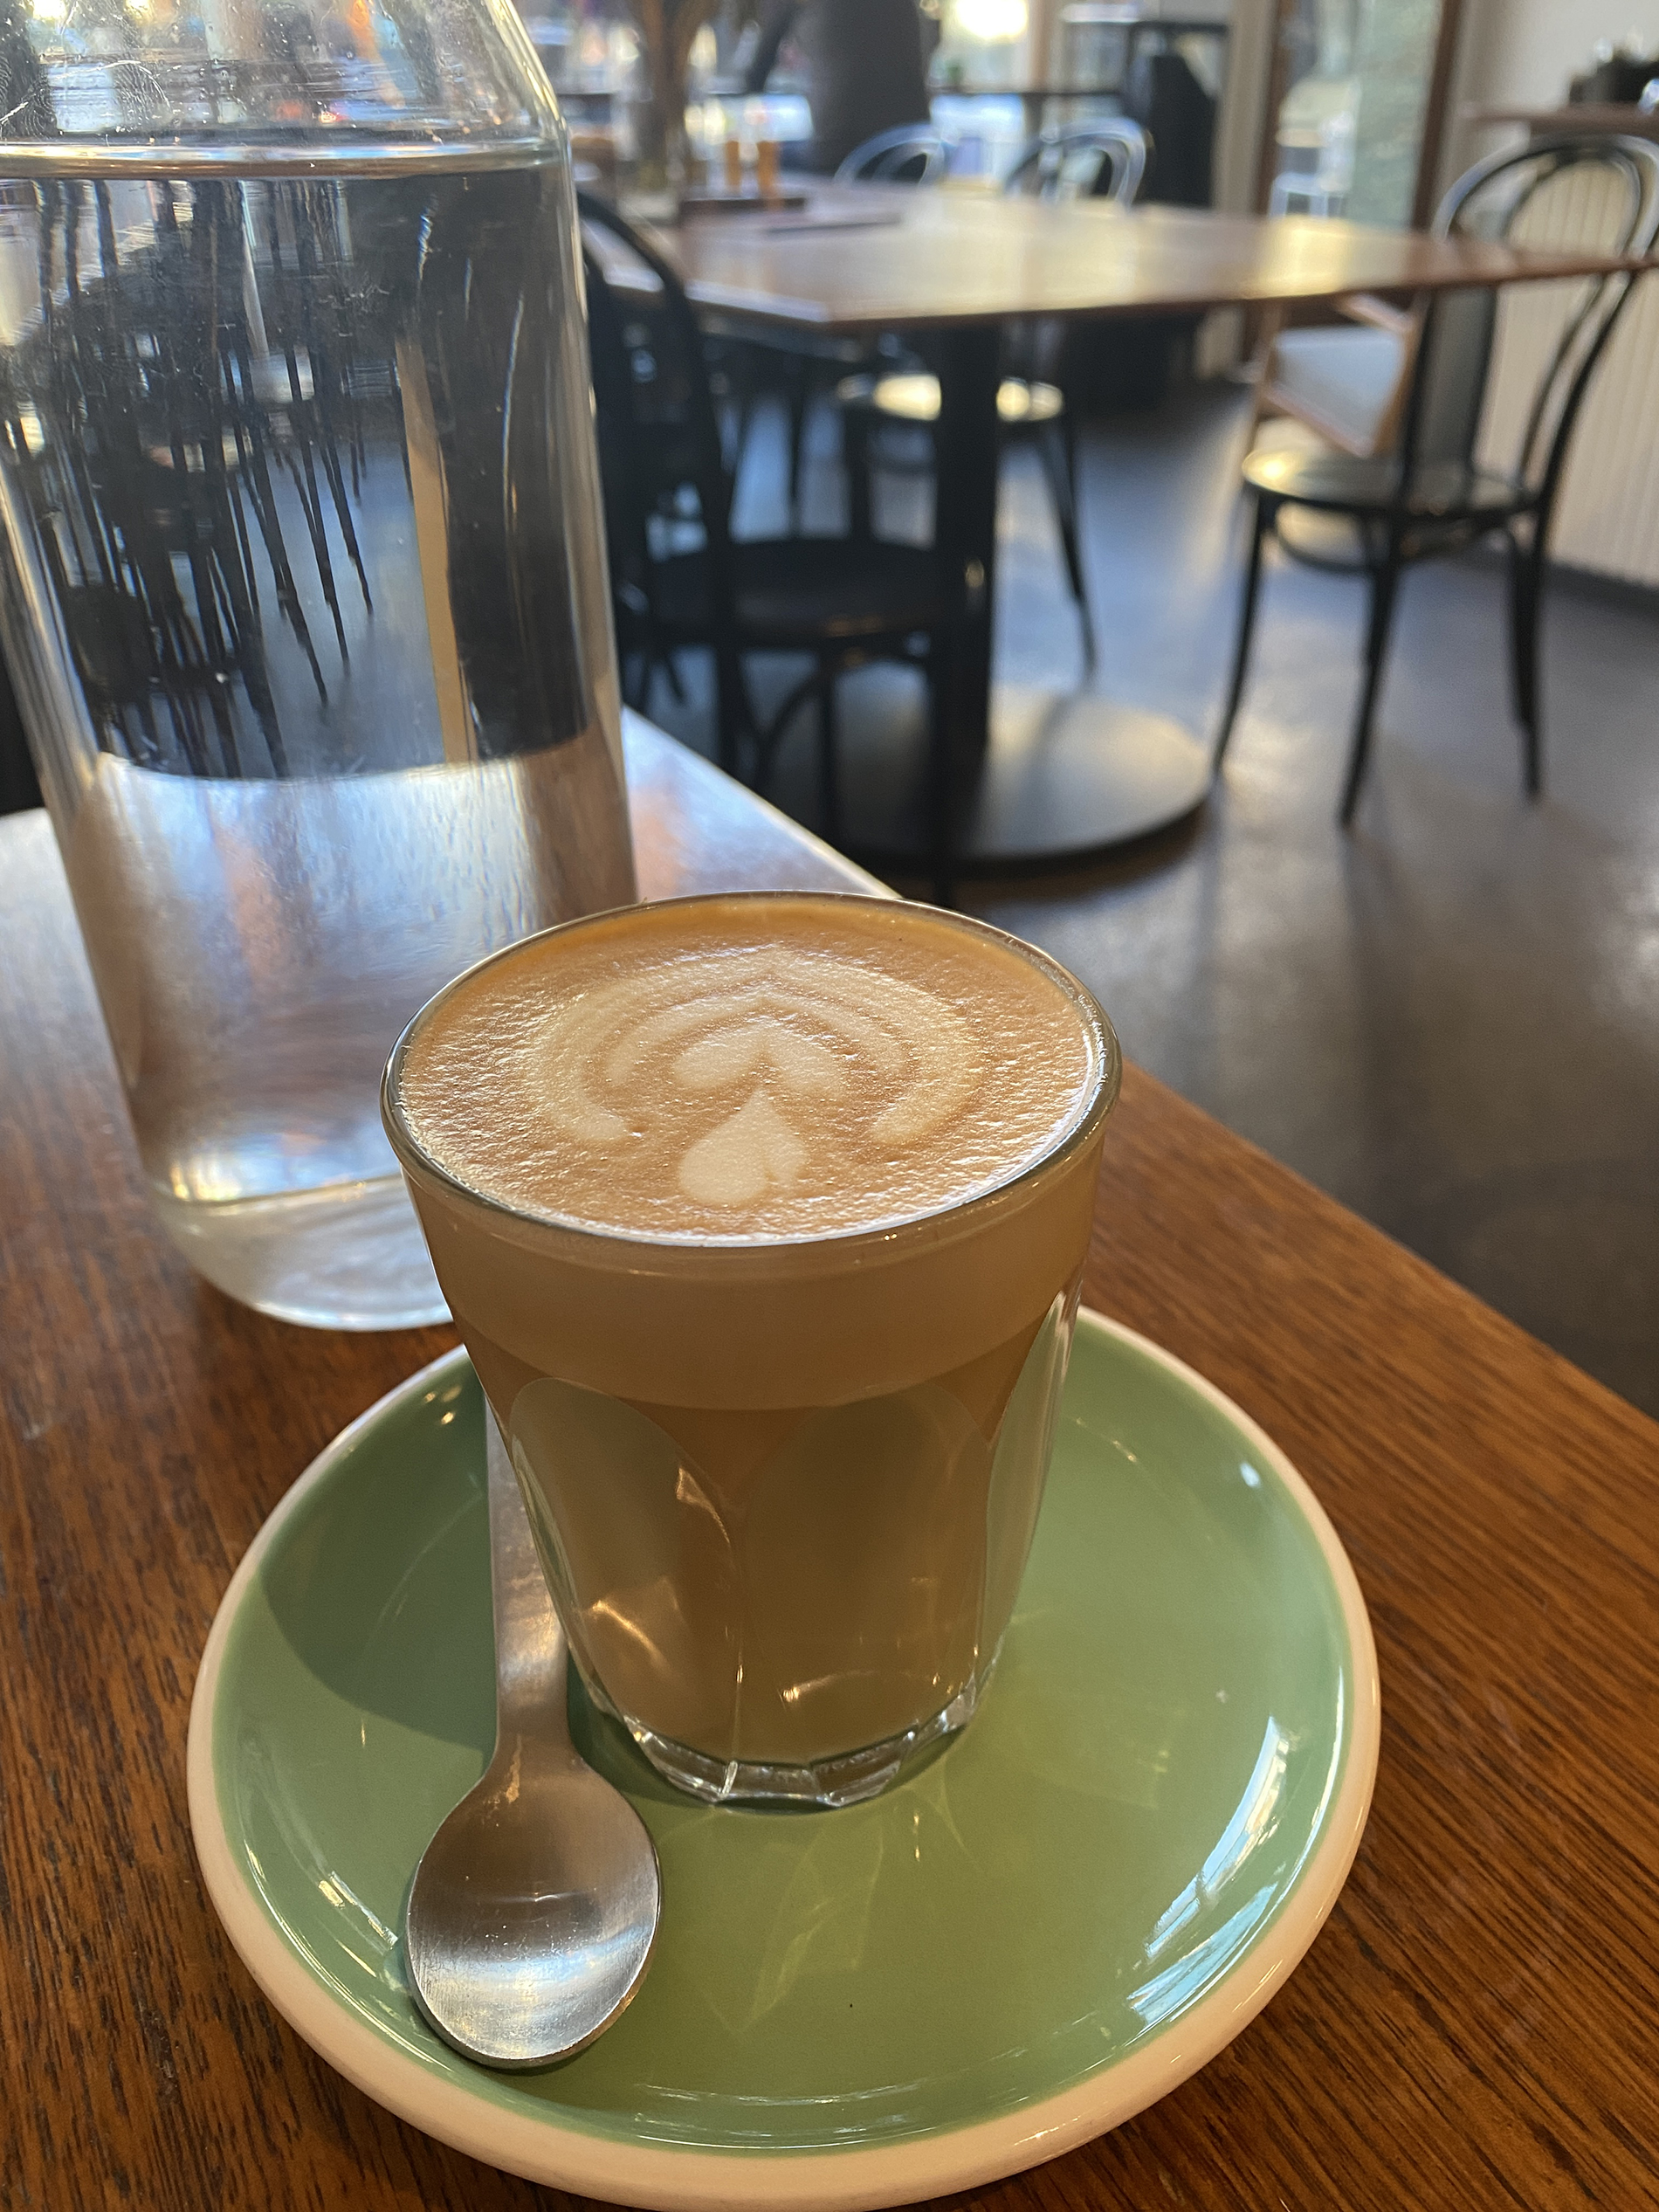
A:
(763, 1217)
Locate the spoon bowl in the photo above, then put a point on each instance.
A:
(532, 1913)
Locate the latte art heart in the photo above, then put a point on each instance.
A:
(755, 1149)
(753, 1152)
(737, 1069)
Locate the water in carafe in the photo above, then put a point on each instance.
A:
(304, 602)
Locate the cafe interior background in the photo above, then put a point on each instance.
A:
(1444, 1014)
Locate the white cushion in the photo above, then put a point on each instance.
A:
(1342, 381)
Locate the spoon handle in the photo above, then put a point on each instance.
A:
(530, 1656)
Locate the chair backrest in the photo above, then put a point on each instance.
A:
(911, 154)
(623, 488)
(1599, 193)
(1107, 160)
(656, 423)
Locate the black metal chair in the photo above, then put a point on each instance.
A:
(1102, 160)
(911, 154)
(678, 577)
(799, 370)
(1430, 496)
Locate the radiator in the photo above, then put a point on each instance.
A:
(1606, 516)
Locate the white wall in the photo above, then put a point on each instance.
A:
(1521, 53)
(1527, 50)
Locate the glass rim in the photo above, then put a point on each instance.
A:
(961, 1214)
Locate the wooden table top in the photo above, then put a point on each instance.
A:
(1478, 2023)
(888, 257)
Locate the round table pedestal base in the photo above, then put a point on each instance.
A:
(1068, 776)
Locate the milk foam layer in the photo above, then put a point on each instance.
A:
(749, 1069)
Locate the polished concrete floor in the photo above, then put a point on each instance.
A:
(1448, 1018)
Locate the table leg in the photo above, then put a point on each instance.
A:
(1009, 776)
(966, 445)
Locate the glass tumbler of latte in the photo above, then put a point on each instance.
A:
(763, 1217)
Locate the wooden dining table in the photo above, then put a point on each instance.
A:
(1476, 2025)
(1039, 773)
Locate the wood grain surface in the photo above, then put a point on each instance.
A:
(938, 257)
(1478, 2024)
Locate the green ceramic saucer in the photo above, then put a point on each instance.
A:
(1073, 1908)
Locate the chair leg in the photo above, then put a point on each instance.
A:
(829, 765)
(742, 421)
(854, 460)
(736, 420)
(1385, 585)
(1517, 669)
(735, 717)
(1261, 523)
(1059, 465)
(800, 397)
(1525, 585)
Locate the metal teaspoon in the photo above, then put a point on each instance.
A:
(533, 1911)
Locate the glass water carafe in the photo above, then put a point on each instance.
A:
(303, 582)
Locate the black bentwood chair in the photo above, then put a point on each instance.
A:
(800, 370)
(678, 577)
(1430, 496)
(1105, 159)
(910, 154)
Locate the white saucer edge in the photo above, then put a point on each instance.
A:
(692, 2180)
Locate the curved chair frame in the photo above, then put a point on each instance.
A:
(839, 637)
(1039, 167)
(884, 159)
(797, 368)
(627, 494)
(1039, 171)
(1411, 506)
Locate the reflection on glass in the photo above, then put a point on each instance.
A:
(1164, 1994)
(1253, 1822)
